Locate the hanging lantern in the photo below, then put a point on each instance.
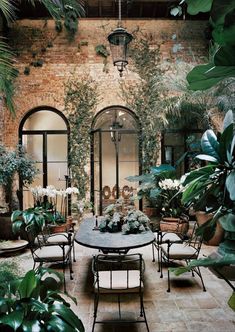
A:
(119, 40)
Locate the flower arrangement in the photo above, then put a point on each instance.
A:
(52, 199)
(169, 198)
(127, 219)
(135, 222)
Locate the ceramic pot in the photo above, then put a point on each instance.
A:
(217, 238)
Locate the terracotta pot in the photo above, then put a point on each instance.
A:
(150, 211)
(201, 218)
(177, 225)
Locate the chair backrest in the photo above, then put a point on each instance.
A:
(195, 240)
(121, 272)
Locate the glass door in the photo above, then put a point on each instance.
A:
(115, 156)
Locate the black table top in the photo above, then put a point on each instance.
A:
(110, 242)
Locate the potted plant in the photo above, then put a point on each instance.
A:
(135, 222)
(113, 217)
(149, 188)
(13, 164)
(34, 303)
(212, 187)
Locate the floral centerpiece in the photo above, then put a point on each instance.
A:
(127, 219)
(135, 222)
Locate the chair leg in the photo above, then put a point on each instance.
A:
(153, 253)
(168, 279)
(200, 276)
(96, 302)
(74, 257)
(142, 311)
(161, 258)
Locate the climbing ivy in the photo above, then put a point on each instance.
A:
(80, 99)
(147, 98)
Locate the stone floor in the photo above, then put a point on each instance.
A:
(186, 308)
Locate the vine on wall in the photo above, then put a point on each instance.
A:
(148, 98)
(80, 99)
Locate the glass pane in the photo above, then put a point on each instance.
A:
(44, 120)
(115, 115)
(56, 174)
(57, 147)
(33, 146)
(108, 168)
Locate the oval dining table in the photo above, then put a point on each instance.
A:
(89, 236)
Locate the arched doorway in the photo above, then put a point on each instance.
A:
(44, 134)
(115, 155)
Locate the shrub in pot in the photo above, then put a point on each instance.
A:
(13, 163)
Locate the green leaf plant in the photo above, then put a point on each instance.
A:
(222, 63)
(212, 188)
(34, 303)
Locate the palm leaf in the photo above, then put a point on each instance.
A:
(8, 10)
(7, 75)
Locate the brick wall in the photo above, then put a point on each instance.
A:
(44, 86)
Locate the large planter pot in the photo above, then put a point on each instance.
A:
(217, 238)
(176, 225)
(6, 232)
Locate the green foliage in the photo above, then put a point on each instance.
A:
(15, 162)
(80, 99)
(7, 75)
(33, 220)
(102, 50)
(146, 98)
(212, 187)
(135, 222)
(34, 303)
(149, 183)
(222, 64)
(8, 271)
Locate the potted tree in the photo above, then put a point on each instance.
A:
(13, 164)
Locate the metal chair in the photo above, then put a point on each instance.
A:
(186, 251)
(53, 248)
(118, 275)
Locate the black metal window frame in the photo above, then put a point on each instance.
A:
(44, 134)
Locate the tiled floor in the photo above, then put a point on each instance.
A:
(186, 308)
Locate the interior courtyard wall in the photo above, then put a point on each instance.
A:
(44, 86)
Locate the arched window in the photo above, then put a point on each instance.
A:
(44, 134)
(115, 155)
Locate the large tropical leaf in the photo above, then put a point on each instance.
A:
(28, 284)
(203, 77)
(225, 56)
(225, 143)
(197, 6)
(228, 119)
(219, 11)
(13, 319)
(228, 222)
(210, 144)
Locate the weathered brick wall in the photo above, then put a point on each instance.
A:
(44, 86)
